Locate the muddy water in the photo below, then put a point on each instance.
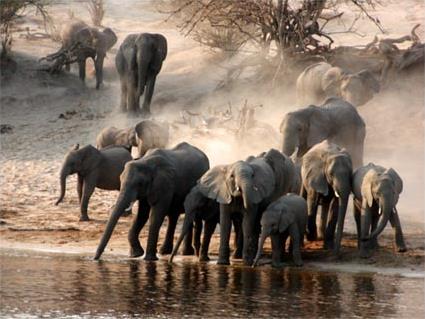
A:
(52, 286)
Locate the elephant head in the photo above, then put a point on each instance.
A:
(81, 161)
(101, 41)
(251, 181)
(304, 128)
(151, 134)
(143, 178)
(384, 188)
(357, 88)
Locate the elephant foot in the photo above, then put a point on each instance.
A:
(311, 237)
(298, 262)
(188, 251)
(204, 258)
(166, 250)
(401, 248)
(223, 261)
(328, 245)
(248, 261)
(151, 257)
(84, 218)
(136, 252)
(145, 114)
(237, 255)
(365, 253)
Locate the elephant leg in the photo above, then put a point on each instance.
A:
(294, 233)
(124, 92)
(80, 183)
(365, 229)
(357, 218)
(132, 95)
(328, 240)
(284, 239)
(196, 239)
(312, 212)
(208, 232)
(225, 229)
(398, 233)
(82, 69)
(167, 246)
(67, 67)
(188, 239)
(373, 243)
(139, 222)
(323, 219)
(276, 250)
(150, 86)
(89, 185)
(238, 243)
(98, 65)
(157, 215)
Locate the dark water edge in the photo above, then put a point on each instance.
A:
(37, 285)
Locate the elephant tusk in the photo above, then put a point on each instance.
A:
(336, 194)
(130, 206)
(238, 188)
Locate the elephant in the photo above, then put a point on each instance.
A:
(151, 134)
(375, 189)
(99, 42)
(95, 168)
(337, 121)
(326, 172)
(138, 62)
(199, 208)
(114, 136)
(285, 217)
(321, 80)
(160, 181)
(246, 187)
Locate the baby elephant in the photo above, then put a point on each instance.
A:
(95, 168)
(376, 190)
(285, 217)
(114, 136)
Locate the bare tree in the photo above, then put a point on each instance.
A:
(97, 11)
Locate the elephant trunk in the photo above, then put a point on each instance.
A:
(289, 144)
(342, 209)
(386, 209)
(63, 175)
(260, 249)
(188, 222)
(120, 207)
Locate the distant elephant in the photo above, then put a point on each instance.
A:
(160, 181)
(247, 187)
(337, 121)
(376, 189)
(151, 134)
(285, 217)
(100, 41)
(138, 62)
(95, 168)
(326, 173)
(321, 80)
(199, 208)
(114, 136)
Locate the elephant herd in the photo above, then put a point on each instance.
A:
(273, 194)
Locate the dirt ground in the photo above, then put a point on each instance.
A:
(47, 114)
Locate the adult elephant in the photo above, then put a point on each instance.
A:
(94, 44)
(160, 182)
(151, 134)
(326, 172)
(321, 80)
(138, 62)
(337, 121)
(247, 187)
(375, 189)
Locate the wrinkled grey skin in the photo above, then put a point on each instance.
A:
(337, 121)
(321, 81)
(198, 209)
(151, 134)
(138, 62)
(101, 41)
(95, 168)
(285, 217)
(114, 136)
(160, 182)
(247, 187)
(375, 189)
(326, 172)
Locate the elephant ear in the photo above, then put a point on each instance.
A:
(313, 174)
(318, 126)
(283, 169)
(163, 173)
(286, 220)
(264, 181)
(90, 159)
(369, 80)
(398, 182)
(213, 184)
(367, 184)
(331, 81)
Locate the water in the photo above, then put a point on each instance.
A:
(52, 286)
